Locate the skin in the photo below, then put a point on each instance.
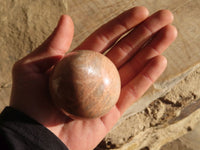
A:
(137, 57)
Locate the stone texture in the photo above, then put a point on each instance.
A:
(75, 95)
(164, 120)
(190, 141)
(175, 145)
(24, 25)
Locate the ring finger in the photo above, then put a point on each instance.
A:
(131, 43)
(158, 44)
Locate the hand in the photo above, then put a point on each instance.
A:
(137, 57)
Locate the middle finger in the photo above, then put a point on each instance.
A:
(131, 43)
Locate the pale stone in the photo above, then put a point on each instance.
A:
(192, 139)
(175, 145)
(163, 121)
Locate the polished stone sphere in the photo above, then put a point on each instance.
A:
(85, 84)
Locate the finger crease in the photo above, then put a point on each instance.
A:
(103, 38)
(56, 51)
(131, 90)
(122, 51)
(155, 50)
(128, 47)
(147, 76)
(148, 29)
(123, 24)
(104, 124)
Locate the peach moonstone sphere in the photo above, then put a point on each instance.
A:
(85, 84)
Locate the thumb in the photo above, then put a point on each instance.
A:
(54, 48)
(60, 40)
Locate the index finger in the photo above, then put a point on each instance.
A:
(106, 35)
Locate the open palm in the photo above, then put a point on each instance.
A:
(136, 55)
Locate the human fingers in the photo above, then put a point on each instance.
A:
(131, 43)
(133, 90)
(158, 44)
(106, 35)
(54, 48)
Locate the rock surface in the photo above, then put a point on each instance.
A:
(166, 119)
(175, 145)
(192, 139)
(25, 24)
